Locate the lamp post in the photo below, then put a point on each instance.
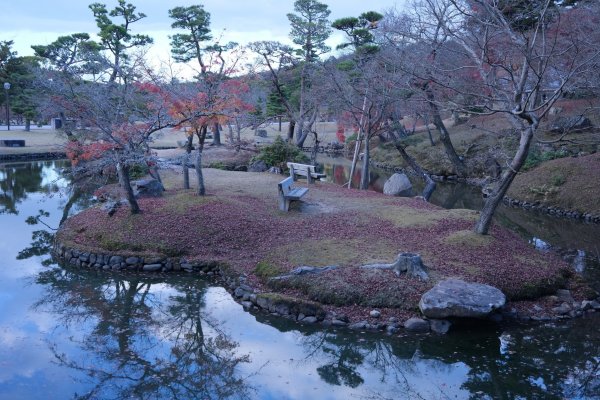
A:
(6, 88)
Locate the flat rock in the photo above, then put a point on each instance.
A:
(457, 298)
(152, 267)
(416, 325)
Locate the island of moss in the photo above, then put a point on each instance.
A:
(238, 232)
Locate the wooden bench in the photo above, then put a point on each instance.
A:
(305, 171)
(287, 193)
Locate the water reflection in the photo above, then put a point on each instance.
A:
(16, 181)
(143, 339)
(510, 362)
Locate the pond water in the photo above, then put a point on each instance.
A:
(70, 333)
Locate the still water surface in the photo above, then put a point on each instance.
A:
(69, 333)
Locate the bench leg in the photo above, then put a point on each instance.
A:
(309, 177)
(284, 204)
(292, 174)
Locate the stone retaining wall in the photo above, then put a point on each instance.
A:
(281, 305)
(103, 261)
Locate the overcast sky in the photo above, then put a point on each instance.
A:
(29, 22)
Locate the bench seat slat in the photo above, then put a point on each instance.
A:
(296, 194)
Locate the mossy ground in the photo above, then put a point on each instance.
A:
(239, 223)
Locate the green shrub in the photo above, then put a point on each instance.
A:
(558, 180)
(412, 140)
(279, 152)
(137, 171)
(266, 270)
(536, 157)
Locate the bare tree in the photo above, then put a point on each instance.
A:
(505, 66)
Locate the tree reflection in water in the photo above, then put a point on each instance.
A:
(147, 339)
(545, 361)
(16, 181)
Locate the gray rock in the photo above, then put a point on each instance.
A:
(247, 305)
(263, 302)
(398, 185)
(440, 326)
(114, 260)
(147, 188)
(246, 288)
(300, 317)
(358, 325)
(563, 309)
(564, 295)
(310, 320)
(416, 325)
(239, 292)
(258, 166)
(392, 329)
(457, 298)
(337, 322)
(110, 207)
(187, 266)
(375, 313)
(132, 260)
(152, 267)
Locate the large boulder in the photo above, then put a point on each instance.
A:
(577, 123)
(398, 185)
(457, 298)
(257, 166)
(148, 188)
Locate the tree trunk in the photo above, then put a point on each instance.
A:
(291, 128)
(216, 136)
(230, 126)
(123, 171)
(199, 175)
(66, 128)
(485, 218)
(364, 177)
(315, 150)
(426, 120)
(279, 118)
(27, 125)
(186, 160)
(459, 166)
(305, 130)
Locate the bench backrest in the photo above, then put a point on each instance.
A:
(301, 169)
(286, 185)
